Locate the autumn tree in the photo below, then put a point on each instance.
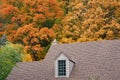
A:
(15, 14)
(29, 22)
(35, 40)
(90, 21)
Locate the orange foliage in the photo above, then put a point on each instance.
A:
(39, 17)
(7, 9)
(46, 33)
(23, 12)
(32, 37)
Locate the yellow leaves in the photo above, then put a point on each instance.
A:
(69, 18)
(109, 34)
(91, 21)
(66, 40)
(26, 57)
(78, 6)
(101, 32)
(82, 40)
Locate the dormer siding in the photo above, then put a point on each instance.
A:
(69, 65)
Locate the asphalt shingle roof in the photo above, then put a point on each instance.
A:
(99, 60)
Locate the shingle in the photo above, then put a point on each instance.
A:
(99, 60)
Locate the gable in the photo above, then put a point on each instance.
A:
(61, 56)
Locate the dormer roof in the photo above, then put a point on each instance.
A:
(69, 58)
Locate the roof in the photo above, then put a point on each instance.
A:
(99, 60)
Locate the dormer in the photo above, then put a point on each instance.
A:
(63, 66)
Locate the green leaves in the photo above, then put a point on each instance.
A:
(9, 55)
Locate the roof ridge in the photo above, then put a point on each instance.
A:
(89, 42)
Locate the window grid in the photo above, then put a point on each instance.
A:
(61, 67)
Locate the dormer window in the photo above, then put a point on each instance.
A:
(61, 67)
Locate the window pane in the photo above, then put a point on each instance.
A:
(61, 67)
